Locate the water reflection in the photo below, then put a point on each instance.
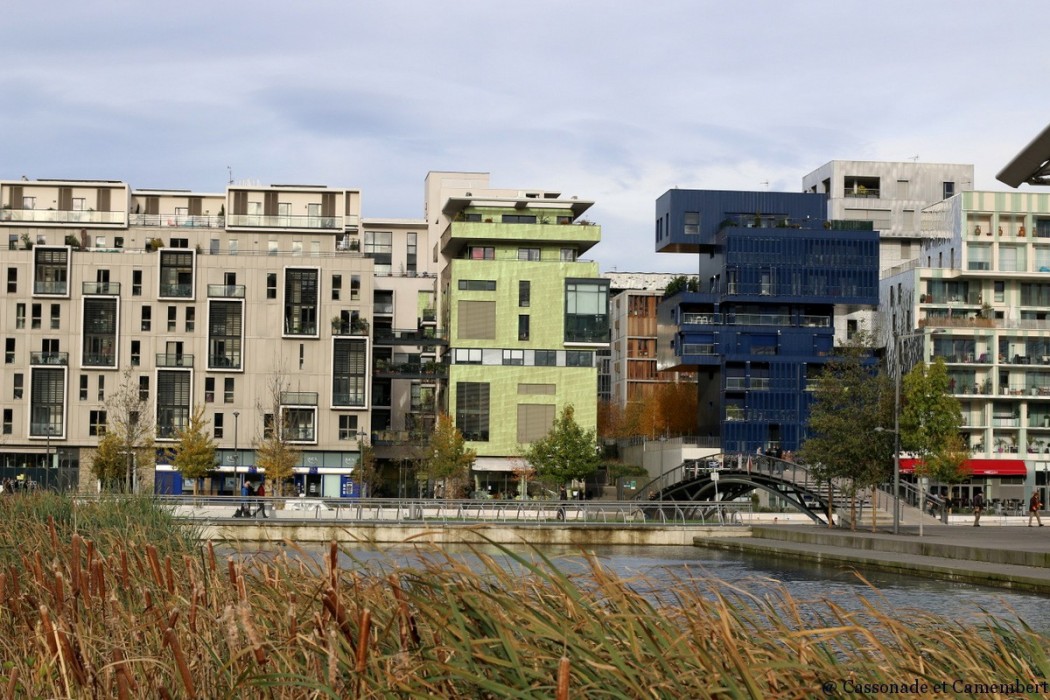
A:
(658, 569)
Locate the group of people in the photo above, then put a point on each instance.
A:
(19, 485)
(251, 498)
(1035, 504)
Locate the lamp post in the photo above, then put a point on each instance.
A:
(236, 453)
(47, 462)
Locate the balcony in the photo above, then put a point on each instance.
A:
(176, 291)
(429, 316)
(357, 327)
(410, 336)
(49, 358)
(52, 216)
(100, 359)
(177, 221)
(58, 287)
(101, 288)
(355, 400)
(174, 360)
(230, 360)
(300, 222)
(226, 291)
(699, 349)
(298, 398)
(410, 370)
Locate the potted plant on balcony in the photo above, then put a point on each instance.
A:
(359, 325)
(27, 242)
(337, 324)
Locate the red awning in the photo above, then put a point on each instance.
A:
(981, 467)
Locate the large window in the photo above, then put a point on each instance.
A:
(300, 301)
(224, 334)
(51, 273)
(586, 311)
(349, 364)
(472, 410)
(100, 332)
(176, 274)
(173, 402)
(48, 398)
(379, 247)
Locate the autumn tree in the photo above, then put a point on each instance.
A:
(194, 451)
(365, 471)
(109, 464)
(446, 458)
(129, 419)
(567, 452)
(929, 423)
(850, 401)
(274, 452)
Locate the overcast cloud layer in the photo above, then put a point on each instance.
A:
(611, 101)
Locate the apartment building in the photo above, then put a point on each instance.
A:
(245, 302)
(774, 275)
(525, 314)
(979, 297)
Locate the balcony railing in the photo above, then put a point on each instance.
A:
(230, 360)
(226, 291)
(178, 221)
(174, 360)
(429, 315)
(699, 349)
(304, 433)
(862, 192)
(101, 288)
(49, 358)
(38, 429)
(298, 398)
(260, 221)
(410, 336)
(51, 216)
(51, 287)
(100, 359)
(176, 291)
(355, 400)
(413, 369)
(350, 328)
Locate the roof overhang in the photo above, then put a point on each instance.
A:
(1031, 165)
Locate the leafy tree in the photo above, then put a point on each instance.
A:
(929, 423)
(274, 452)
(850, 401)
(194, 453)
(130, 420)
(567, 452)
(678, 283)
(365, 472)
(109, 463)
(446, 458)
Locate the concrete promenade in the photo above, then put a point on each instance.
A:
(1006, 555)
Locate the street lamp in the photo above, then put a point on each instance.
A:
(236, 454)
(47, 462)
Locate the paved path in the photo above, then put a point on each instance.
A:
(1011, 556)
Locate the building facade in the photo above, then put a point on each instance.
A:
(244, 303)
(774, 274)
(525, 315)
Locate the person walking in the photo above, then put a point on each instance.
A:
(1035, 505)
(978, 508)
(260, 494)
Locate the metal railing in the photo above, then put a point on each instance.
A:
(453, 512)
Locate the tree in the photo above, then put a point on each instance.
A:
(850, 401)
(194, 453)
(109, 465)
(446, 458)
(365, 471)
(130, 421)
(274, 452)
(929, 423)
(567, 452)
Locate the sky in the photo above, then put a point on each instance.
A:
(607, 100)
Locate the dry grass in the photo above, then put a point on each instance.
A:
(128, 620)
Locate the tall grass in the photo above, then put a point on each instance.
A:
(79, 618)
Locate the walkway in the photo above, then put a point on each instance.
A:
(1004, 556)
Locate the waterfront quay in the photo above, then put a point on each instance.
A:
(397, 521)
(1005, 556)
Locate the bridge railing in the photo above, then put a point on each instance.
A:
(449, 512)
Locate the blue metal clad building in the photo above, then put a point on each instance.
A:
(772, 273)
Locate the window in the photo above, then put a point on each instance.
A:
(546, 358)
(411, 254)
(524, 293)
(37, 312)
(300, 301)
(143, 388)
(477, 285)
(523, 327)
(209, 389)
(355, 287)
(147, 318)
(118, 242)
(518, 218)
(534, 421)
(83, 387)
(9, 351)
(97, 423)
(20, 315)
(267, 425)
(136, 353)
(472, 410)
(191, 319)
(101, 387)
(337, 286)
(12, 241)
(136, 283)
(347, 427)
(176, 273)
(579, 358)
(48, 391)
(99, 334)
(225, 329)
(514, 357)
(217, 424)
(349, 362)
(8, 421)
(586, 311)
(531, 254)
(227, 390)
(468, 356)
(172, 318)
(180, 242)
(18, 386)
(691, 223)
(851, 328)
(173, 402)
(481, 253)
(56, 317)
(12, 280)
(300, 425)
(949, 190)
(51, 274)
(379, 247)
(999, 291)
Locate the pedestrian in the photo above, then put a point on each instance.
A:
(246, 491)
(260, 493)
(978, 507)
(1034, 506)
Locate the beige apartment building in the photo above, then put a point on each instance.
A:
(257, 299)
